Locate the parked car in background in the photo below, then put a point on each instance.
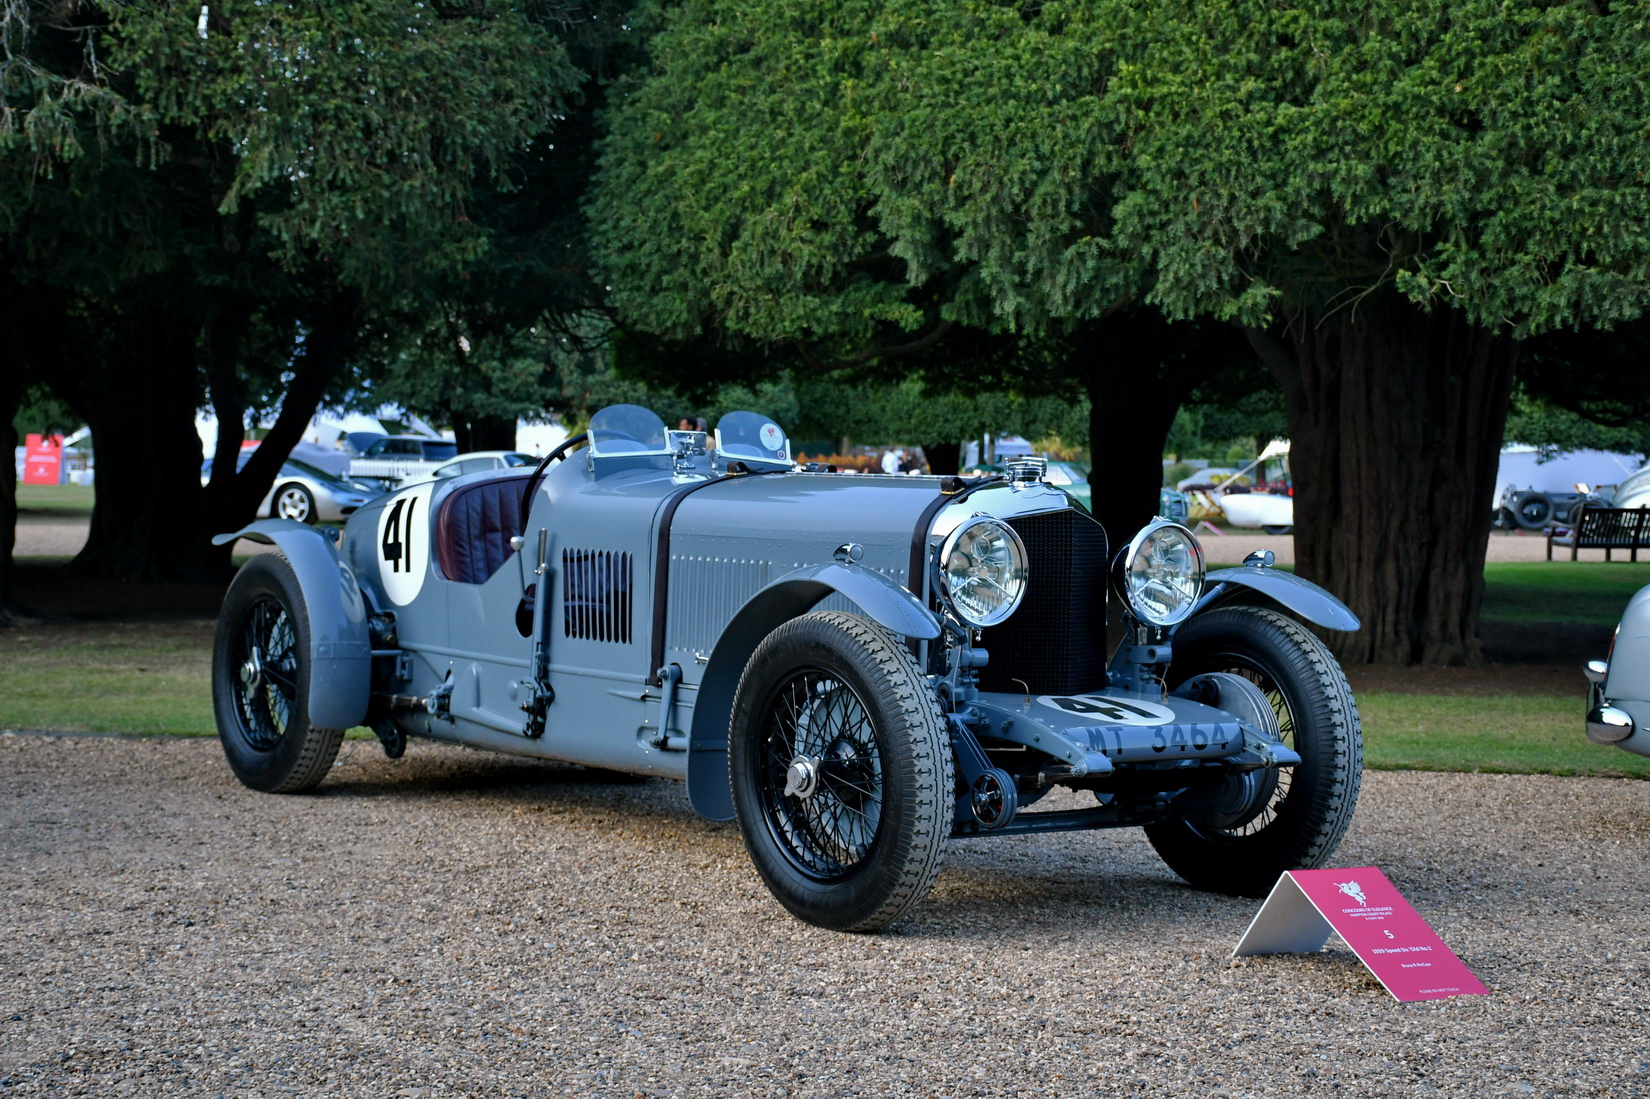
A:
(475, 461)
(1214, 477)
(306, 493)
(391, 459)
(854, 668)
(1272, 512)
(1618, 692)
(1535, 510)
(1633, 492)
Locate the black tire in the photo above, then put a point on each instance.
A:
(838, 700)
(1532, 510)
(260, 682)
(1276, 528)
(1306, 809)
(293, 501)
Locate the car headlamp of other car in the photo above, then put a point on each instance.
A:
(983, 571)
(1161, 574)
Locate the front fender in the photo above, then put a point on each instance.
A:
(793, 594)
(340, 681)
(1289, 591)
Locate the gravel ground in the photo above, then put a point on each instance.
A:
(456, 923)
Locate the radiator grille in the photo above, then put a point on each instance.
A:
(1056, 642)
(596, 595)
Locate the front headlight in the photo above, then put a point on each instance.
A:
(983, 571)
(1162, 574)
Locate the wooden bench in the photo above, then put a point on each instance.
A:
(1608, 529)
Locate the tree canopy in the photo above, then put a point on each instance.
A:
(1384, 197)
(237, 201)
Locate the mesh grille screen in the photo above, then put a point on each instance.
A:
(1056, 641)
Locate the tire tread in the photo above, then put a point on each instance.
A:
(922, 852)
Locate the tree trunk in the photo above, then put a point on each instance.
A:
(485, 433)
(943, 458)
(1130, 414)
(1396, 419)
(11, 393)
(1140, 370)
(330, 331)
(139, 398)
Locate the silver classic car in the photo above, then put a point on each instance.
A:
(1618, 693)
(857, 669)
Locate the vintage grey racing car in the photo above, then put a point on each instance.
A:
(858, 669)
(1618, 691)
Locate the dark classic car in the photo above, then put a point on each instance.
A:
(857, 669)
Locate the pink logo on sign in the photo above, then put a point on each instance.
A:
(1374, 919)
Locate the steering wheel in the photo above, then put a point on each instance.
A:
(538, 471)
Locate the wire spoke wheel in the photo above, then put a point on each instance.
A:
(265, 683)
(261, 679)
(1238, 836)
(830, 831)
(841, 772)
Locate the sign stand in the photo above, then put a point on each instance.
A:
(1366, 910)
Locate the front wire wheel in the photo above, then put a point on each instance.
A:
(1295, 817)
(260, 682)
(822, 775)
(841, 772)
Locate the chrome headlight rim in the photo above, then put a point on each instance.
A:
(1013, 582)
(1126, 573)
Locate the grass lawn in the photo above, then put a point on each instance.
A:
(62, 501)
(1512, 734)
(153, 676)
(108, 677)
(1588, 593)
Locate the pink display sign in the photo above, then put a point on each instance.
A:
(1368, 912)
(43, 460)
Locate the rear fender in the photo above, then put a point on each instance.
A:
(793, 594)
(1301, 597)
(340, 649)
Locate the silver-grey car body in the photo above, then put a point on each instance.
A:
(801, 649)
(1618, 703)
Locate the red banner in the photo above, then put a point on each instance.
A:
(43, 460)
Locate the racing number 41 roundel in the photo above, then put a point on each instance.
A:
(404, 544)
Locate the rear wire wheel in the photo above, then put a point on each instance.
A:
(1300, 813)
(261, 667)
(841, 772)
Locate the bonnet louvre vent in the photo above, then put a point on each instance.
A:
(596, 595)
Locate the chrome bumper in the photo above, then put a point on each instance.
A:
(1606, 724)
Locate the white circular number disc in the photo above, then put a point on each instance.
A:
(404, 543)
(1099, 709)
(772, 437)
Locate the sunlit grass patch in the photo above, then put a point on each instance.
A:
(110, 677)
(1515, 734)
(61, 501)
(1590, 593)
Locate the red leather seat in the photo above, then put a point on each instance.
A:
(474, 527)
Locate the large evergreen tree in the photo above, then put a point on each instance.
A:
(235, 201)
(1383, 197)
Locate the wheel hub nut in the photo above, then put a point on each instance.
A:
(252, 670)
(802, 778)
